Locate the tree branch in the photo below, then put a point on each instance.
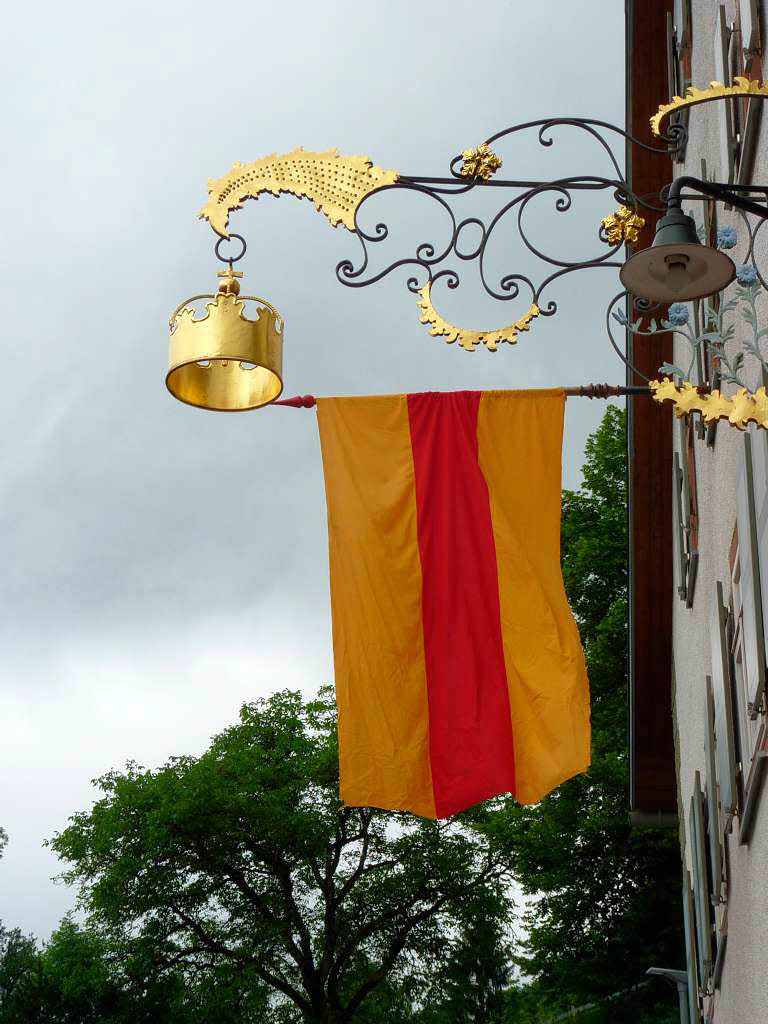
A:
(366, 837)
(395, 949)
(271, 979)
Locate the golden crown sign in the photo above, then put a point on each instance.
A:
(223, 360)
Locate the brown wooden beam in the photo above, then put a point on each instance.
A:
(653, 785)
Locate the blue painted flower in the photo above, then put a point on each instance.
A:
(746, 273)
(726, 237)
(678, 314)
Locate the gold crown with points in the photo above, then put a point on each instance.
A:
(223, 360)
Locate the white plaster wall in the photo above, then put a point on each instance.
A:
(743, 994)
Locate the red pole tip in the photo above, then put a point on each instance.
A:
(298, 402)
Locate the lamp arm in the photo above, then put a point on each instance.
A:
(719, 191)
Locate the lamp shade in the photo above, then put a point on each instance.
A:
(222, 360)
(677, 267)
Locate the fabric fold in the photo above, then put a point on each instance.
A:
(459, 669)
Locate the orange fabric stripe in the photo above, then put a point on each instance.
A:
(376, 603)
(520, 453)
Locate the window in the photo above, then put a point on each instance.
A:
(746, 62)
(749, 25)
(679, 60)
(737, 52)
(706, 943)
(715, 844)
(721, 690)
(725, 110)
(747, 639)
(708, 362)
(714, 833)
(711, 812)
(689, 931)
(686, 512)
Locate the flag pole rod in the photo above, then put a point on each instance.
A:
(583, 391)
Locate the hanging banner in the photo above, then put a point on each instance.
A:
(459, 669)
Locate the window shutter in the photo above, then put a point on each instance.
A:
(750, 24)
(723, 708)
(690, 507)
(700, 885)
(677, 490)
(754, 639)
(713, 816)
(724, 112)
(759, 445)
(690, 952)
(683, 22)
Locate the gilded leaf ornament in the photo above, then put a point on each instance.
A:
(739, 409)
(716, 91)
(480, 162)
(623, 226)
(336, 184)
(467, 339)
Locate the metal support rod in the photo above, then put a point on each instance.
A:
(465, 183)
(607, 391)
(582, 391)
(717, 190)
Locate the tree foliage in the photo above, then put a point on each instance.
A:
(243, 861)
(604, 895)
(80, 977)
(17, 966)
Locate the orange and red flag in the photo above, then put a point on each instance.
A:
(459, 670)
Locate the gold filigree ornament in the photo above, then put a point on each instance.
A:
(716, 91)
(480, 162)
(335, 184)
(223, 360)
(623, 226)
(740, 409)
(469, 340)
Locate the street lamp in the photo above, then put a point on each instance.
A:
(677, 267)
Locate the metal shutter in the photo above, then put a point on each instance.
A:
(701, 893)
(690, 952)
(754, 641)
(722, 697)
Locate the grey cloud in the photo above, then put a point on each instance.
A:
(138, 536)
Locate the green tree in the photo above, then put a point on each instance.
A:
(469, 988)
(81, 977)
(18, 959)
(604, 895)
(244, 862)
(18, 973)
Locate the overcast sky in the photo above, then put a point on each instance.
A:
(161, 565)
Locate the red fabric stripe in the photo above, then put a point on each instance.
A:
(470, 729)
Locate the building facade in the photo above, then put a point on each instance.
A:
(718, 642)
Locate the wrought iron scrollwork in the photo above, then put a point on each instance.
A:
(427, 258)
(344, 187)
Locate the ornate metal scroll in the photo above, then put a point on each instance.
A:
(468, 172)
(336, 184)
(343, 187)
(739, 409)
(716, 91)
(470, 339)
